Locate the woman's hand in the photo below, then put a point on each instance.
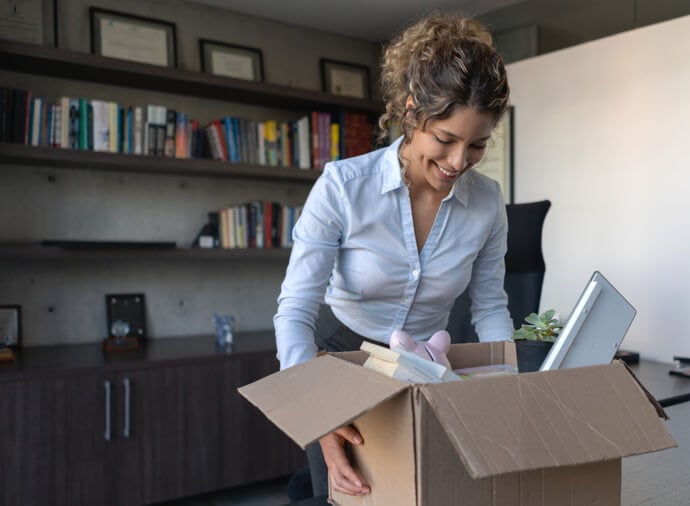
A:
(341, 474)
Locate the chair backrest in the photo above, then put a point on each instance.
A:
(525, 269)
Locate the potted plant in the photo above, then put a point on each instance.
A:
(534, 339)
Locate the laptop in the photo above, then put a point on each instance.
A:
(595, 328)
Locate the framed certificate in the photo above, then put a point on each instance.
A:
(134, 38)
(498, 157)
(231, 60)
(342, 78)
(33, 21)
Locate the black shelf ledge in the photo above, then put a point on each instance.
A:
(61, 63)
(22, 154)
(38, 252)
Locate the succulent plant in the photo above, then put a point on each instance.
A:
(542, 327)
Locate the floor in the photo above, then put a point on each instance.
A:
(270, 493)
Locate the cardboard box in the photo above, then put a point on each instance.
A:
(542, 438)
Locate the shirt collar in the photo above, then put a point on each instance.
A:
(392, 179)
(392, 176)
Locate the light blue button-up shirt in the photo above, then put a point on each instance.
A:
(355, 248)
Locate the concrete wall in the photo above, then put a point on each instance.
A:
(601, 130)
(63, 301)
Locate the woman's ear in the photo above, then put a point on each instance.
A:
(409, 103)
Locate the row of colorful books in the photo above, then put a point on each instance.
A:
(98, 125)
(256, 224)
(307, 142)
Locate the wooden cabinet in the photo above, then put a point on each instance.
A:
(140, 431)
(33, 463)
(270, 453)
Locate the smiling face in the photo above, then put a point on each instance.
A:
(440, 152)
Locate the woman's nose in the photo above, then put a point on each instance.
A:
(458, 158)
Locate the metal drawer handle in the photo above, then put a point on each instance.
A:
(106, 435)
(126, 425)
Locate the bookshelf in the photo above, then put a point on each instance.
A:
(262, 182)
(195, 456)
(46, 61)
(38, 252)
(58, 158)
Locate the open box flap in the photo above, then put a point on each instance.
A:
(313, 398)
(539, 420)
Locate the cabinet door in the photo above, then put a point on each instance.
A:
(176, 419)
(104, 464)
(253, 448)
(33, 465)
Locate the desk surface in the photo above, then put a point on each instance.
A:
(661, 478)
(667, 389)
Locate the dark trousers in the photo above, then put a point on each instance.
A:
(330, 335)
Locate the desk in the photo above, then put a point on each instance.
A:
(661, 478)
(666, 388)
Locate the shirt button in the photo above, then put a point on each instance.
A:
(415, 274)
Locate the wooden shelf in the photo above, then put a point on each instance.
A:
(41, 60)
(95, 160)
(35, 251)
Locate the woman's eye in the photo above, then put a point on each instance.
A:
(442, 141)
(479, 146)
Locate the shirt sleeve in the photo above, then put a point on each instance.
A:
(316, 240)
(490, 314)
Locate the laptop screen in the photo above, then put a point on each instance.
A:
(594, 330)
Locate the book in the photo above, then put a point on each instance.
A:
(397, 370)
(113, 126)
(432, 371)
(170, 128)
(101, 125)
(485, 371)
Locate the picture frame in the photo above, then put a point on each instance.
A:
(11, 326)
(128, 308)
(30, 21)
(345, 79)
(231, 60)
(134, 38)
(498, 157)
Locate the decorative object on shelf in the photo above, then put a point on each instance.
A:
(10, 331)
(224, 331)
(231, 60)
(28, 21)
(342, 78)
(126, 322)
(119, 339)
(498, 157)
(208, 236)
(133, 38)
(534, 340)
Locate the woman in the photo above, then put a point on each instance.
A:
(390, 239)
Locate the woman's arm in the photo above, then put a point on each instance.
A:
(316, 237)
(490, 314)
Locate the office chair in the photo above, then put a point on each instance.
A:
(524, 271)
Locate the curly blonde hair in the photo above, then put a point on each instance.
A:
(443, 61)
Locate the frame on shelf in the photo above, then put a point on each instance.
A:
(31, 21)
(498, 157)
(343, 78)
(10, 326)
(134, 38)
(129, 309)
(231, 60)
